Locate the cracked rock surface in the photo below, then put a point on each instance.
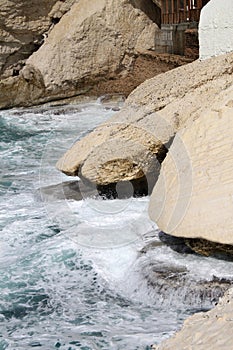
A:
(137, 137)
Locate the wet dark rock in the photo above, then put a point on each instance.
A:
(149, 246)
(124, 189)
(173, 280)
(178, 244)
(81, 189)
(140, 187)
(208, 248)
(75, 190)
(78, 190)
(175, 284)
(198, 245)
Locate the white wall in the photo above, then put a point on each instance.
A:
(216, 28)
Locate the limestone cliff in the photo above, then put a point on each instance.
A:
(93, 39)
(78, 47)
(23, 25)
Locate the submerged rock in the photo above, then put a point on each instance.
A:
(170, 280)
(180, 282)
(78, 190)
(66, 190)
(189, 281)
(178, 244)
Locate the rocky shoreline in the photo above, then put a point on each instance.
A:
(181, 108)
(139, 135)
(172, 138)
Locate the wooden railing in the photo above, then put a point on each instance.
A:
(192, 15)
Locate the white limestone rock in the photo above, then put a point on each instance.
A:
(93, 39)
(216, 28)
(194, 194)
(205, 330)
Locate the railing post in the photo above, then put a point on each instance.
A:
(189, 9)
(199, 4)
(172, 7)
(167, 7)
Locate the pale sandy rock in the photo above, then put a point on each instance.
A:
(30, 84)
(93, 39)
(193, 195)
(59, 9)
(133, 150)
(205, 330)
(158, 108)
(117, 151)
(91, 48)
(22, 26)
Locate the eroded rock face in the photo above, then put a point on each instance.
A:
(94, 48)
(113, 151)
(30, 83)
(209, 248)
(93, 40)
(193, 195)
(205, 330)
(135, 140)
(199, 246)
(22, 26)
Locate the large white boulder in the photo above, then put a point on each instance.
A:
(90, 47)
(194, 194)
(94, 39)
(216, 28)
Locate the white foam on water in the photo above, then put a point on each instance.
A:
(72, 274)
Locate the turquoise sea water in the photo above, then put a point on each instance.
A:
(71, 275)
